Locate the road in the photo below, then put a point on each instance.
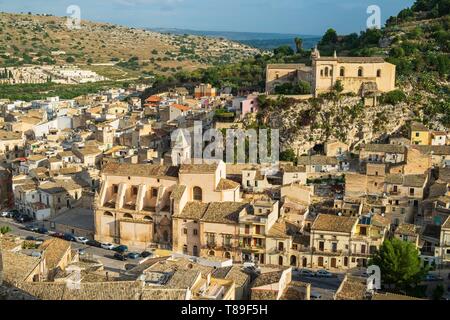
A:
(104, 256)
(326, 287)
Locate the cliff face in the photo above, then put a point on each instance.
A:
(304, 124)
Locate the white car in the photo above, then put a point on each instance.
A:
(108, 246)
(4, 214)
(315, 296)
(82, 240)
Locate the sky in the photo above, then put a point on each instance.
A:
(310, 17)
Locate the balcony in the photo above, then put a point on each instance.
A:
(253, 219)
(211, 245)
(251, 247)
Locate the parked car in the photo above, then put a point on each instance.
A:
(81, 251)
(108, 246)
(315, 295)
(23, 218)
(5, 214)
(146, 254)
(94, 243)
(58, 235)
(306, 273)
(70, 237)
(432, 277)
(120, 256)
(31, 228)
(82, 240)
(133, 255)
(30, 238)
(121, 249)
(42, 230)
(324, 274)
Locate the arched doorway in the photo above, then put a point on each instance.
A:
(345, 261)
(195, 251)
(227, 255)
(293, 261)
(166, 236)
(211, 253)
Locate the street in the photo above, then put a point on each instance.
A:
(104, 256)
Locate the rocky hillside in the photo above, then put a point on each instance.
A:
(45, 39)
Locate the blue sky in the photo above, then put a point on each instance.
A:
(280, 16)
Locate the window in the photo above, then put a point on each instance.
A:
(411, 191)
(342, 72)
(360, 72)
(154, 192)
(184, 231)
(195, 232)
(379, 73)
(417, 134)
(128, 216)
(334, 247)
(115, 188)
(326, 71)
(135, 191)
(321, 73)
(197, 192)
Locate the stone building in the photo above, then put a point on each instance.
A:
(366, 76)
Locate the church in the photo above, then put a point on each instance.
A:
(365, 76)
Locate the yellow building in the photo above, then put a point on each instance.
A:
(420, 135)
(366, 76)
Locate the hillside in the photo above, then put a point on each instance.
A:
(39, 39)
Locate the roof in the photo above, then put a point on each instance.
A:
(192, 210)
(234, 273)
(392, 296)
(446, 224)
(328, 222)
(17, 266)
(225, 184)
(410, 180)
(79, 218)
(406, 229)
(353, 59)
(388, 148)
(153, 99)
(432, 231)
(140, 170)
(198, 168)
(267, 278)
(181, 107)
(163, 294)
(54, 251)
(317, 160)
(286, 66)
(352, 288)
(223, 212)
(435, 150)
(278, 230)
(59, 187)
(417, 126)
(9, 135)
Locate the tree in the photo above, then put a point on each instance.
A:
(338, 87)
(288, 155)
(285, 50)
(330, 37)
(298, 44)
(399, 264)
(70, 59)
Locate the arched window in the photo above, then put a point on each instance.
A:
(379, 73)
(128, 216)
(326, 72)
(148, 218)
(360, 72)
(342, 72)
(198, 194)
(321, 73)
(108, 214)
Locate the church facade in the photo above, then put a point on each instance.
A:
(360, 75)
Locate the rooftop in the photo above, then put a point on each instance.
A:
(328, 222)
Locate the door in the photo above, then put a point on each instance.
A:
(320, 261)
(304, 262)
(333, 262)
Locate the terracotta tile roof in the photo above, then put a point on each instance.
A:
(198, 168)
(225, 184)
(352, 288)
(181, 107)
(278, 230)
(328, 222)
(388, 148)
(140, 170)
(178, 192)
(317, 160)
(163, 294)
(407, 229)
(192, 210)
(54, 251)
(153, 99)
(267, 278)
(17, 266)
(9, 135)
(418, 126)
(392, 296)
(223, 212)
(435, 150)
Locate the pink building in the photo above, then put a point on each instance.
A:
(249, 105)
